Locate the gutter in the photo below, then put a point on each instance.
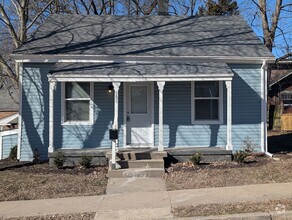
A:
(264, 105)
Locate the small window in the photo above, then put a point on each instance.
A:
(287, 103)
(77, 102)
(207, 102)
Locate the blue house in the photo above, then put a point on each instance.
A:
(164, 82)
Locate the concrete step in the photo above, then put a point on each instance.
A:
(139, 155)
(153, 163)
(132, 172)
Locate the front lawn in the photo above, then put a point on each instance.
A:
(42, 182)
(257, 170)
(82, 216)
(234, 208)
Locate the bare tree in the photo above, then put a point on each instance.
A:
(270, 18)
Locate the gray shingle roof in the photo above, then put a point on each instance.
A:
(142, 69)
(145, 36)
(6, 102)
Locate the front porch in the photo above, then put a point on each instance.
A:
(140, 120)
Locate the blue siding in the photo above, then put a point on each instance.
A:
(178, 130)
(35, 111)
(35, 108)
(89, 136)
(8, 142)
(246, 113)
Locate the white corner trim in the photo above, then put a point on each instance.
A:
(264, 107)
(63, 106)
(206, 122)
(52, 87)
(20, 73)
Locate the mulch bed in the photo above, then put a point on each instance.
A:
(258, 169)
(8, 164)
(42, 182)
(233, 208)
(81, 216)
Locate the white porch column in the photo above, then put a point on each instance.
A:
(51, 116)
(229, 115)
(116, 86)
(160, 88)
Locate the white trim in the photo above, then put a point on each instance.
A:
(5, 133)
(125, 114)
(91, 106)
(103, 58)
(229, 115)
(7, 120)
(220, 107)
(129, 78)
(283, 77)
(20, 73)
(52, 87)
(116, 86)
(160, 124)
(264, 107)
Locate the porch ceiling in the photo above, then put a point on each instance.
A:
(140, 71)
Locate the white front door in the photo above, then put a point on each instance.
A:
(139, 118)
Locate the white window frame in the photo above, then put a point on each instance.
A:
(220, 107)
(63, 106)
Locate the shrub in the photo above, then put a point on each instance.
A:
(248, 145)
(196, 158)
(13, 153)
(85, 161)
(59, 159)
(239, 156)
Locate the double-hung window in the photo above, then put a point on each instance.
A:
(77, 104)
(207, 107)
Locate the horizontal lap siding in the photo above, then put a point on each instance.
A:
(178, 129)
(35, 111)
(90, 136)
(246, 114)
(8, 142)
(35, 115)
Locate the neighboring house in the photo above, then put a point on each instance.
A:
(8, 121)
(164, 82)
(280, 95)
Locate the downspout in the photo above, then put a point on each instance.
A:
(264, 108)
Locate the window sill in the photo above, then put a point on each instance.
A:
(77, 123)
(206, 122)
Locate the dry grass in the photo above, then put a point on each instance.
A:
(43, 182)
(260, 170)
(81, 216)
(233, 208)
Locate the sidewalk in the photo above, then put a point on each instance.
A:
(144, 204)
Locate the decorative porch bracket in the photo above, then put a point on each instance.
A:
(116, 86)
(51, 117)
(229, 114)
(160, 132)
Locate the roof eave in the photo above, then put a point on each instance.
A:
(45, 58)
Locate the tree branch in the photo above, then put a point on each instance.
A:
(9, 26)
(38, 15)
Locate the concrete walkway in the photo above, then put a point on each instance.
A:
(144, 204)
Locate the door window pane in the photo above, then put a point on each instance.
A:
(206, 109)
(77, 110)
(139, 99)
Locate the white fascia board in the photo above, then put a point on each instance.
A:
(86, 78)
(104, 58)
